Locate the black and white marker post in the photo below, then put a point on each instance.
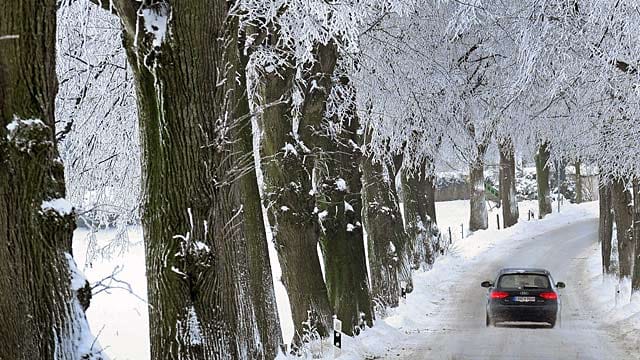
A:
(337, 332)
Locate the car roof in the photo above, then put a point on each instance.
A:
(524, 270)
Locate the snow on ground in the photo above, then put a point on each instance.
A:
(121, 323)
(117, 318)
(455, 215)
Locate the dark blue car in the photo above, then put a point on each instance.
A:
(522, 295)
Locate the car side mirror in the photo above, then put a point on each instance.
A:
(486, 284)
(560, 285)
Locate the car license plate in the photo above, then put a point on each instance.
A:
(524, 299)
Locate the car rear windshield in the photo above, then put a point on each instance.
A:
(523, 281)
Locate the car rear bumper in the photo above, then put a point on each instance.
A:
(533, 313)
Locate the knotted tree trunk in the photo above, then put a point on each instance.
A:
(542, 178)
(42, 294)
(200, 216)
(342, 242)
(622, 208)
(507, 176)
(289, 196)
(605, 225)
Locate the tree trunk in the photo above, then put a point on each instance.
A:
(507, 176)
(542, 177)
(561, 172)
(478, 218)
(386, 237)
(417, 189)
(264, 298)
(290, 200)
(578, 183)
(199, 225)
(42, 294)
(635, 283)
(430, 198)
(342, 242)
(622, 208)
(605, 226)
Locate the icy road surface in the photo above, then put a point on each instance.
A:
(460, 316)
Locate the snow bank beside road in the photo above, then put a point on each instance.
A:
(612, 301)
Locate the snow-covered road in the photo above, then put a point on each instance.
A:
(459, 332)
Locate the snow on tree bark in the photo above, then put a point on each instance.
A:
(507, 176)
(264, 299)
(199, 223)
(542, 178)
(622, 204)
(605, 224)
(387, 240)
(42, 295)
(418, 194)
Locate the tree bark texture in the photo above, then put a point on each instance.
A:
(478, 218)
(430, 198)
(507, 176)
(42, 294)
(635, 282)
(289, 196)
(605, 225)
(387, 240)
(417, 190)
(578, 183)
(200, 219)
(542, 177)
(623, 210)
(340, 203)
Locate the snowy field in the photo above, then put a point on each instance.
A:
(120, 318)
(455, 215)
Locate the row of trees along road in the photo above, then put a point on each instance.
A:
(347, 111)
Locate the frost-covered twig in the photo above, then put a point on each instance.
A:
(110, 282)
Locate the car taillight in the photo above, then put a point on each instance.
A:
(499, 294)
(549, 295)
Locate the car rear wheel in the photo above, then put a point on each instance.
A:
(552, 323)
(488, 321)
